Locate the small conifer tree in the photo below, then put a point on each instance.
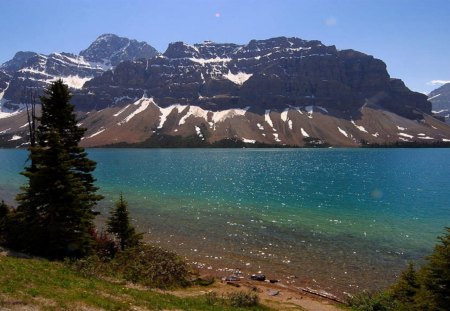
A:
(119, 225)
(404, 291)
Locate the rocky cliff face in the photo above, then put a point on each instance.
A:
(440, 98)
(284, 91)
(265, 74)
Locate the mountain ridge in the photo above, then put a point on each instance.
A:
(278, 91)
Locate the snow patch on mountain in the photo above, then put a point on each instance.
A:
(433, 97)
(342, 132)
(6, 114)
(267, 118)
(323, 109)
(309, 110)
(204, 61)
(304, 133)
(359, 127)
(15, 137)
(164, 114)
(75, 82)
(284, 114)
(101, 130)
(121, 111)
(277, 139)
(248, 141)
(405, 135)
(425, 137)
(143, 104)
(194, 111)
(2, 93)
(199, 132)
(238, 78)
(220, 116)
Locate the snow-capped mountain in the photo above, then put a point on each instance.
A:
(440, 98)
(265, 74)
(113, 50)
(29, 70)
(279, 91)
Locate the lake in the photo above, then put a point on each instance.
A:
(337, 219)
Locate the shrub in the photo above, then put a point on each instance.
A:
(92, 266)
(105, 247)
(151, 266)
(211, 298)
(243, 299)
(367, 301)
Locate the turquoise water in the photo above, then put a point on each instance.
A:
(339, 219)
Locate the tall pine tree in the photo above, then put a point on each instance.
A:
(55, 211)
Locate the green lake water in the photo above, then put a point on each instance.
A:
(337, 219)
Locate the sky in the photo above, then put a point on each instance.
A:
(411, 36)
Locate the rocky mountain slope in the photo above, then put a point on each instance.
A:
(440, 98)
(30, 70)
(280, 91)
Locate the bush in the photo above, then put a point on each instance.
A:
(92, 266)
(105, 247)
(151, 266)
(243, 299)
(211, 298)
(367, 301)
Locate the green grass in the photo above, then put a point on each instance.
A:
(52, 286)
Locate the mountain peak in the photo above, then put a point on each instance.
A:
(114, 49)
(19, 59)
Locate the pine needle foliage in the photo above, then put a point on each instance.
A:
(55, 215)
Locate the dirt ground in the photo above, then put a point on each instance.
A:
(277, 296)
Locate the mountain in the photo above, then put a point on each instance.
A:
(440, 98)
(279, 91)
(266, 74)
(116, 49)
(29, 70)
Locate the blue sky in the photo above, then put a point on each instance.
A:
(411, 36)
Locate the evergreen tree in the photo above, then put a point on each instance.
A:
(4, 213)
(119, 225)
(406, 289)
(55, 211)
(436, 274)
(4, 210)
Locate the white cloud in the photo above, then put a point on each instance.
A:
(217, 14)
(331, 21)
(438, 82)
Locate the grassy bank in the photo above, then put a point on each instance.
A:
(47, 285)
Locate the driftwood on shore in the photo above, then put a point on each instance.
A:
(321, 293)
